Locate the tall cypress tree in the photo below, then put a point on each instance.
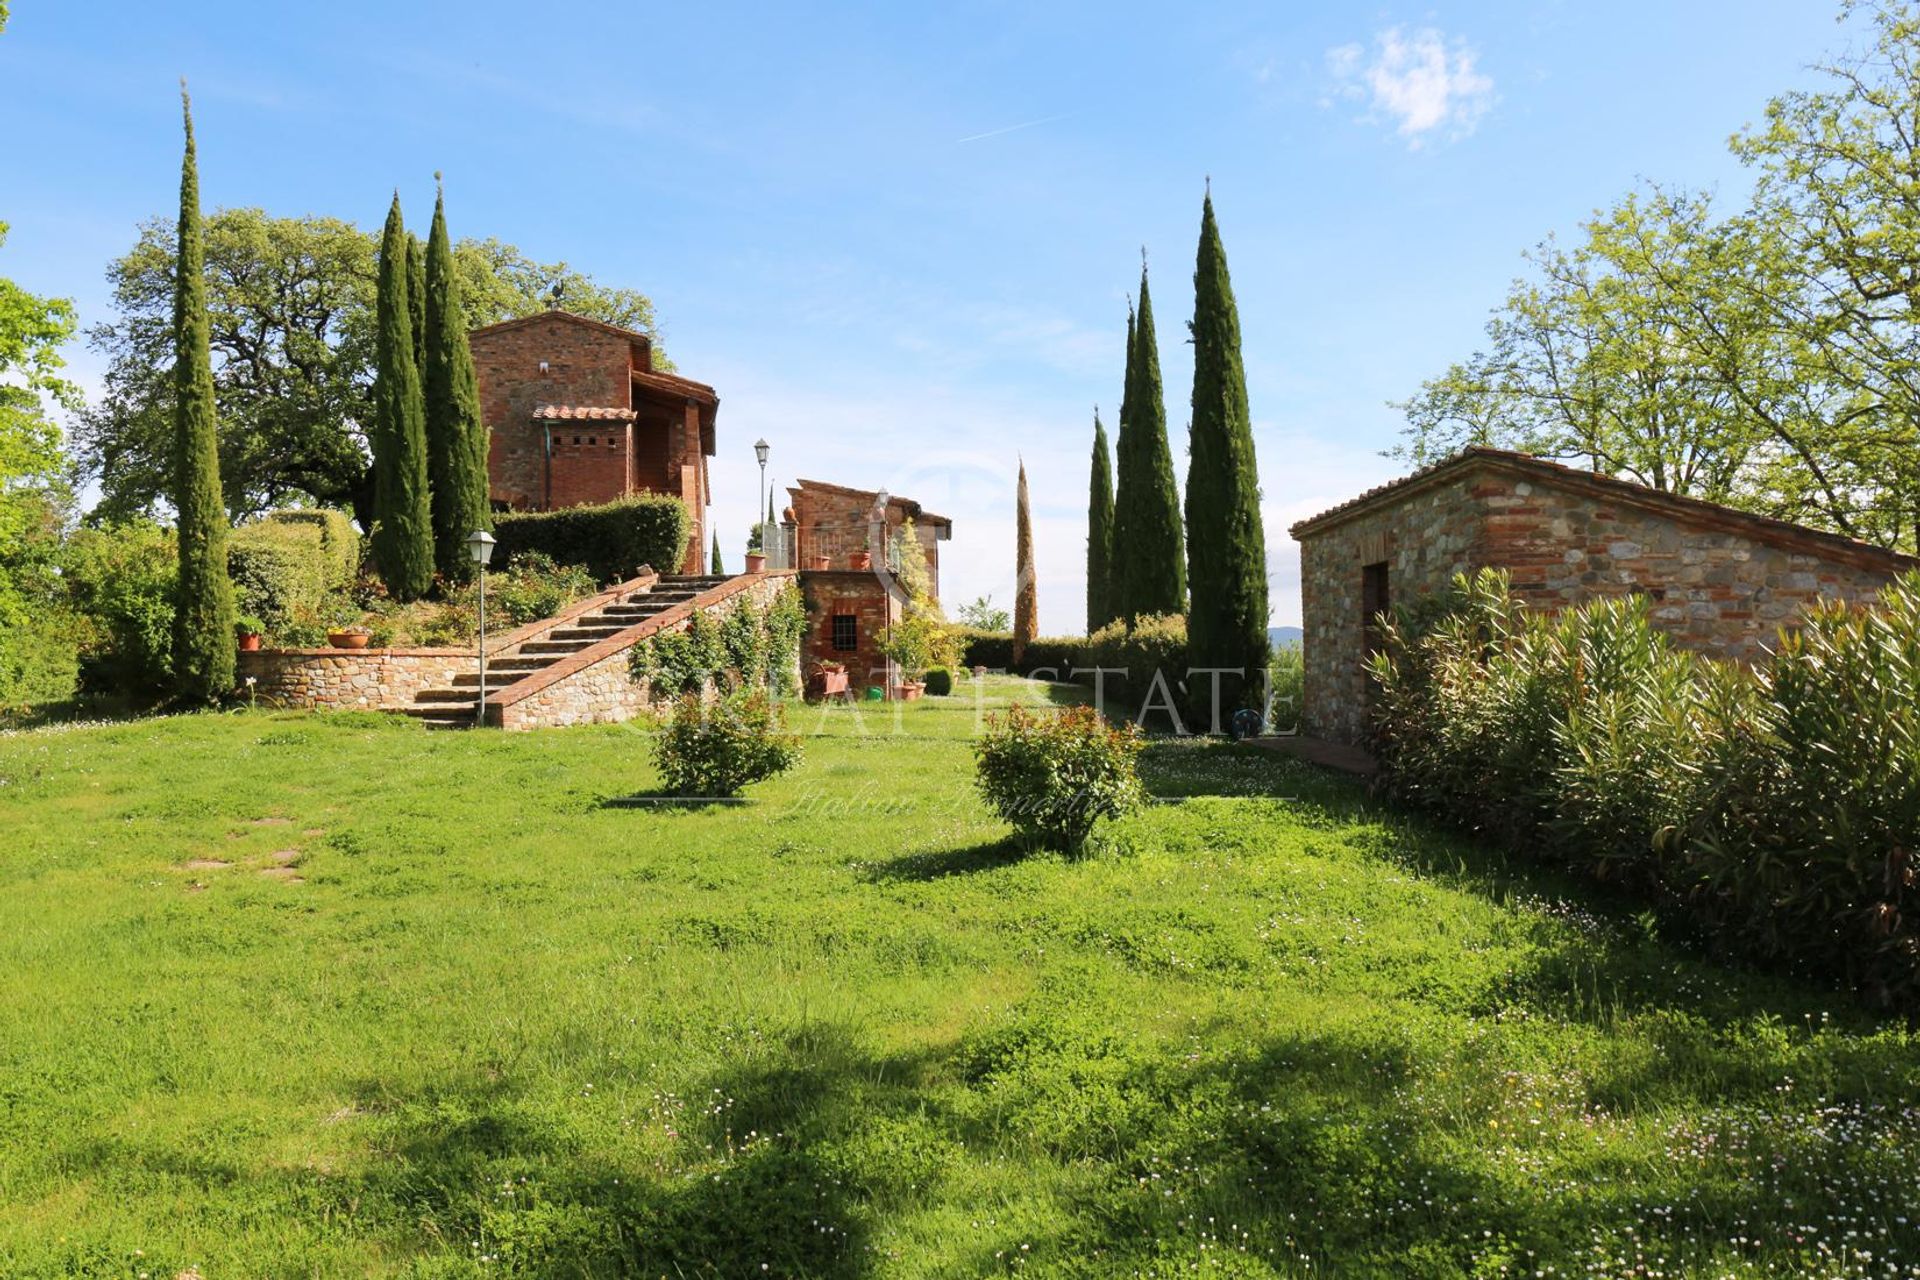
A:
(1150, 562)
(403, 513)
(1120, 535)
(1026, 618)
(203, 639)
(1099, 530)
(713, 556)
(417, 300)
(1226, 541)
(456, 435)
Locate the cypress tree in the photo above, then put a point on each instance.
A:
(1149, 560)
(1099, 530)
(403, 514)
(1026, 621)
(417, 300)
(203, 638)
(456, 435)
(1226, 541)
(1120, 534)
(713, 557)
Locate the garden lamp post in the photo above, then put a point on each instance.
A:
(760, 451)
(480, 547)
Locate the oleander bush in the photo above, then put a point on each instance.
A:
(612, 540)
(1775, 808)
(716, 749)
(1054, 775)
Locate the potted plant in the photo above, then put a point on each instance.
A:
(756, 562)
(354, 637)
(820, 561)
(247, 629)
(863, 558)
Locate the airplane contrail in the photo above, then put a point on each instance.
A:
(1012, 128)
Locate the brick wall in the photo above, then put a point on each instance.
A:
(1719, 581)
(586, 365)
(591, 462)
(836, 523)
(849, 593)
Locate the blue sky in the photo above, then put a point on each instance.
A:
(899, 239)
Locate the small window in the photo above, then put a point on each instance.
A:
(591, 440)
(576, 439)
(1376, 598)
(846, 633)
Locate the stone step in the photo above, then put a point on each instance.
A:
(559, 648)
(468, 681)
(437, 698)
(441, 710)
(521, 663)
(588, 631)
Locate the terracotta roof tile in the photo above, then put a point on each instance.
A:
(580, 413)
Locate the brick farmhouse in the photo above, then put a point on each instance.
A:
(578, 414)
(1718, 580)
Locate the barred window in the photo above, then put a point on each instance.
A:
(846, 633)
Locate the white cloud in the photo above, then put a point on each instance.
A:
(1421, 81)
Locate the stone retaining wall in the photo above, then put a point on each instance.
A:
(593, 686)
(351, 679)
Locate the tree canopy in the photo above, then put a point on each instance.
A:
(1767, 355)
(290, 306)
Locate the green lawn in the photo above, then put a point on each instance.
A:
(446, 1007)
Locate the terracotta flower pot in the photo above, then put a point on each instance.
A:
(860, 560)
(756, 562)
(820, 562)
(348, 639)
(249, 643)
(908, 690)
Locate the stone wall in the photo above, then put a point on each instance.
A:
(1424, 541)
(594, 687)
(1719, 581)
(350, 679)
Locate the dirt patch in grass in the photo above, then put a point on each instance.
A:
(205, 864)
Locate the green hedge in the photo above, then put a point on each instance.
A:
(280, 570)
(1128, 658)
(1776, 810)
(612, 541)
(339, 543)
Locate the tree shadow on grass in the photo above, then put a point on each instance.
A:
(669, 802)
(938, 864)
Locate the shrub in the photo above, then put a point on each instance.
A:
(939, 681)
(39, 654)
(1774, 808)
(1145, 664)
(339, 544)
(279, 570)
(120, 583)
(994, 650)
(718, 749)
(750, 646)
(1053, 776)
(612, 541)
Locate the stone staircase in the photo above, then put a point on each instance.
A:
(456, 707)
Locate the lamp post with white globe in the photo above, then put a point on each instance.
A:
(480, 547)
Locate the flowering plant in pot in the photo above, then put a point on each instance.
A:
(247, 630)
(354, 637)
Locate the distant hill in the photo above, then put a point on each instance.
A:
(1285, 637)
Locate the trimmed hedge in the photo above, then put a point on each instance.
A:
(1157, 643)
(280, 570)
(1776, 810)
(611, 541)
(339, 543)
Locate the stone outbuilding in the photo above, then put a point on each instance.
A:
(1719, 581)
(578, 414)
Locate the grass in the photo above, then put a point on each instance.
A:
(295, 995)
